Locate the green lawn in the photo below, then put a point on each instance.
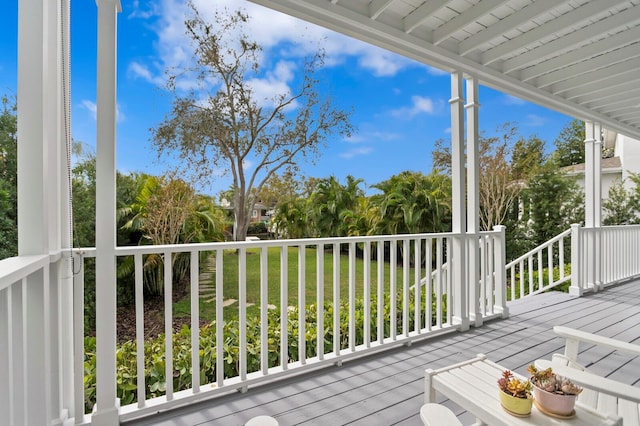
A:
(231, 288)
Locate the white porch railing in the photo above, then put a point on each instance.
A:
(369, 292)
(365, 306)
(35, 340)
(541, 269)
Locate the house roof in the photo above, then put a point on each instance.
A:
(610, 165)
(579, 57)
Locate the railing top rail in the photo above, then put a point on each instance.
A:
(13, 269)
(540, 247)
(233, 245)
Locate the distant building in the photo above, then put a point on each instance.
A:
(625, 161)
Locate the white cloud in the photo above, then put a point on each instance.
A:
(356, 152)
(419, 105)
(374, 136)
(93, 109)
(141, 14)
(280, 36)
(512, 100)
(534, 120)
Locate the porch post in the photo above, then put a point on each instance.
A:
(34, 142)
(458, 258)
(107, 406)
(577, 273)
(597, 204)
(591, 199)
(473, 206)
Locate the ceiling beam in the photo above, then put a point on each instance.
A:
(629, 104)
(597, 76)
(577, 16)
(504, 25)
(610, 95)
(598, 88)
(422, 13)
(465, 18)
(377, 7)
(580, 54)
(565, 43)
(602, 61)
(603, 103)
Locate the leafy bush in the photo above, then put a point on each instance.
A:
(154, 349)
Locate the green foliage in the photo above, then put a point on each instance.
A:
(552, 202)
(154, 349)
(622, 207)
(329, 202)
(257, 228)
(414, 203)
(8, 180)
(570, 144)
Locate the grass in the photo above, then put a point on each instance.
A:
(231, 287)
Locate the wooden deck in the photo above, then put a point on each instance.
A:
(388, 388)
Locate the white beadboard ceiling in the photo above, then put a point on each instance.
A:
(579, 57)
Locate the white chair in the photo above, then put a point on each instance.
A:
(601, 394)
(438, 415)
(262, 421)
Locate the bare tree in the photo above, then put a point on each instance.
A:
(230, 128)
(499, 188)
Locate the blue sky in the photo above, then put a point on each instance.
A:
(400, 107)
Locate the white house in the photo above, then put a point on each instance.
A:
(624, 162)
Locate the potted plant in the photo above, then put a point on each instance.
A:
(515, 394)
(554, 394)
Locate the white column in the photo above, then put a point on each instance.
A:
(597, 204)
(459, 226)
(107, 405)
(66, 273)
(33, 226)
(473, 204)
(590, 201)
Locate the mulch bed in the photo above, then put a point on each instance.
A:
(153, 317)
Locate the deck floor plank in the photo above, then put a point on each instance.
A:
(388, 388)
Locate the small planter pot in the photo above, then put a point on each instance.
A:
(554, 403)
(517, 406)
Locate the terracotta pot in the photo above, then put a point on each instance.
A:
(519, 406)
(553, 402)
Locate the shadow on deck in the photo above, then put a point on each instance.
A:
(388, 388)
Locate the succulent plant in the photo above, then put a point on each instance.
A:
(549, 381)
(513, 386)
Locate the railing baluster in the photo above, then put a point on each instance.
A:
(417, 266)
(428, 288)
(366, 280)
(168, 324)
(320, 300)
(393, 264)
(406, 258)
(139, 300)
(242, 311)
(301, 305)
(449, 282)
(219, 318)
(561, 257)
(380, 308)
(352, 297)
(195, 320)
(264, 307)
(336, 299)
(284, 307)
(78, 336)
(550, 264)
(483, 276)
(439, 292)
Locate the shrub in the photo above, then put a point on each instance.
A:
(154, 349)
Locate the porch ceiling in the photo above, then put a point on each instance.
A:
(579, 57)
